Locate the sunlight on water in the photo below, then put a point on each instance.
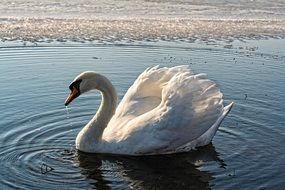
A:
(109, 21)
(38, 30)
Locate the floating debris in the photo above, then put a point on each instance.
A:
(67, 152)
(45, 168)
(228, 46)
(232, 174)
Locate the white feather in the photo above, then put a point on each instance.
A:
(166, 110)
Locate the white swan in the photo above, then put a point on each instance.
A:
(166, 110)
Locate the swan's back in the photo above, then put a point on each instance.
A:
(165, 108)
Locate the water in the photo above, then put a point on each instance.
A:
(38, 132)
(45, 44)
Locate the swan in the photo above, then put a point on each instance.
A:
(166, 110)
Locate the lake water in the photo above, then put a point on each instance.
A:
(45, 44)
(38, 132)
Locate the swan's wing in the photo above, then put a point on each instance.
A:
(145, 94)
(193, 105)
(190, 105)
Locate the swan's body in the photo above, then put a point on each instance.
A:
(166, 110)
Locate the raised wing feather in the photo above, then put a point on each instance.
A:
(144, 95)
(148, 86)
(193, 106)
(165, 109)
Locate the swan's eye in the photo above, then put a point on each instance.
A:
(76, 85)
(75, 92)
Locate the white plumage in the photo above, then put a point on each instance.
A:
(166, 110)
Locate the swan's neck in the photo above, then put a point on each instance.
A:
(92, 132)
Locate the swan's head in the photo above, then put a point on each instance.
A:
(84, 82)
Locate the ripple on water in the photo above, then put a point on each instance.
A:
(29, 165)
(38, 133)
(40, 152)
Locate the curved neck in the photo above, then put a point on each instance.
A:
(106, 109)
(93, 131)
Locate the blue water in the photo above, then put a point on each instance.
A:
(38, 132)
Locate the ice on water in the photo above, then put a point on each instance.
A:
(110, 20)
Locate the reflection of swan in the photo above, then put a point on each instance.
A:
(179, 171)
(166, 110)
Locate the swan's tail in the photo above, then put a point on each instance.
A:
(227, 109)
(207, 137)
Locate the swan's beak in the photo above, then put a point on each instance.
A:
(73, 94)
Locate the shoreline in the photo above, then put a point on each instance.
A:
(149, 30)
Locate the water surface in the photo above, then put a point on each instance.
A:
(38, 133)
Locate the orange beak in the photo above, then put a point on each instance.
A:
(73, 94)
